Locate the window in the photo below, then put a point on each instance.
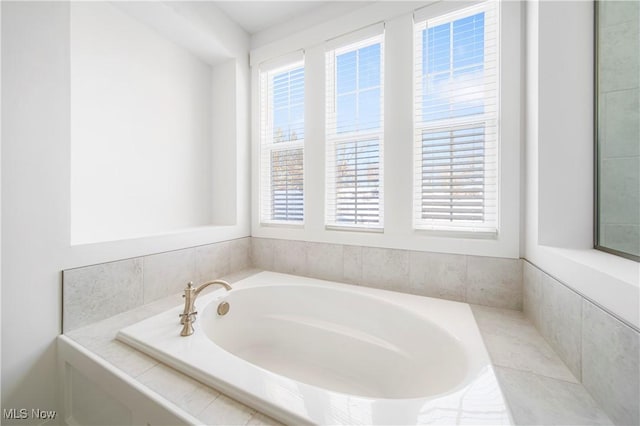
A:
(355, 133)
(282, 144)
(456, 120)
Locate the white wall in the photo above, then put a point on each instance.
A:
(565, 98)
(35, 158)
(559, 160)
(140, 129)
(398, 133)
(36, 196)
(223, 172)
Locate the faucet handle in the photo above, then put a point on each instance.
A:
(190, 317)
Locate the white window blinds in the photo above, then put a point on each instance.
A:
(282, 142)
(354, 130)
(456, 119)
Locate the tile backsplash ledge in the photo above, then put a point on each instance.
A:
(489, 281)
(96, 292)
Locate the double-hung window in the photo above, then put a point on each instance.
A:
(354, 131)
(282, 143)
(456, 118)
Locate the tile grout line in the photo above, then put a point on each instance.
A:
(550, 378)
(577, 382)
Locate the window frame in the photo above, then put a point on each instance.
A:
(398, 231)
(354, 42)
(439, 14)
(267, 146)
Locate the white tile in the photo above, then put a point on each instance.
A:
(239, 254)
(625, 238)
(325, 261)
(513, 342)
(493, 281)
(532, 292)
(385, 268)
(262, 253)
(125, 358)
(259, 419)
(620, 190)
(168, 273)
(610, 364)
(616, 12)
(97, 292)
(618, 57)
(212, 261)
(438, 275)
(290, 257)
(240, 275)
(561, 322)
(183, 391)
(164, 304)
(621, 124)
(538, 400)
(102, 332)
(352, 264)
(226, 411)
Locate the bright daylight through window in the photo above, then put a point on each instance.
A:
(282, 144)
(354, 75)
(456, 120)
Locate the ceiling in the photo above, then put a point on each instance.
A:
(255, 16)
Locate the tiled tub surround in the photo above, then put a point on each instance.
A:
(600, 350)
(488, 281)
(93, 293)
(537, 385)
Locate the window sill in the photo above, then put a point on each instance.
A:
(282, 225)
(354, 229)
(610, 281)
(625, 270)
(474, 235)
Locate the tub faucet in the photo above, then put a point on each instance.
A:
(188, 317)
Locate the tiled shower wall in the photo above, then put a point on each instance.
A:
(601, 351)
(619, 124)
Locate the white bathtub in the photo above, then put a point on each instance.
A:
(311, 351)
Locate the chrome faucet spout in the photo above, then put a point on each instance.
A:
(188, 316)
